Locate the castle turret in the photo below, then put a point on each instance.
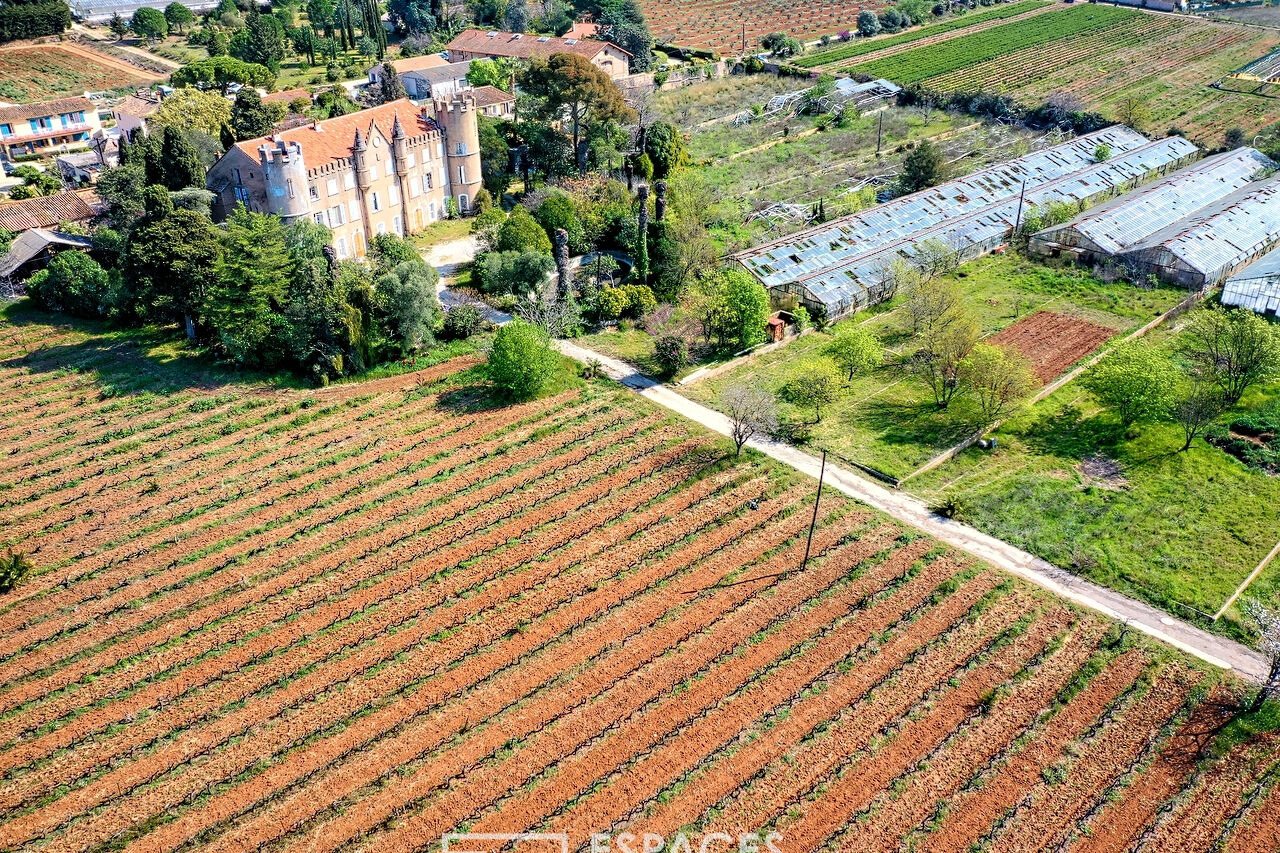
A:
(457, 117)
(285, 176)
(400, 147)
(360, 160)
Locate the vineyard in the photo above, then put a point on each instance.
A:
(363, 616)
(1052, 342)
(861, 47)
(718, 24)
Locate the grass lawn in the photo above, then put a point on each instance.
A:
(887, 420)
(1178, 529)
(441, 231)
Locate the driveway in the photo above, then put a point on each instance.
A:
(1184, 636)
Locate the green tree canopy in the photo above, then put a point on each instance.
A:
(252, 281)
(521, 233)
(249, 117)
(178, 16)
(149, 24)
(73, 283)
(664, 143)
(222, 70)
(411, 17)
(170, 265)
(407, 303)
(855, 349)
(192, 109)
(1235, 349)
(522, 362)
(814, 383)
(743, 310)
(492, 72)
(1136, 380)
(923, 167)
(570, 87)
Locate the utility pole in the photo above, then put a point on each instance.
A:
(822, 473)
(879, 132)
(1017, 221)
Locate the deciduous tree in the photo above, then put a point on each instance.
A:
(1135, 380)
(1236, 349)
(814, 383)
(522, 362)
(855, 349)
(752, 412)
(998, 377)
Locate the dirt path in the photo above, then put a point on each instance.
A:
(841, 65)
(1210, 648)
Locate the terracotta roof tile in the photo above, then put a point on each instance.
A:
(489, 95)
(523, 46)
(329, 140)
(135, 106)
(47, 108)
(419, 63)
(286, 96)
(46, 211)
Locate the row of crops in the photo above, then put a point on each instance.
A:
(922, 63)
(861, 47)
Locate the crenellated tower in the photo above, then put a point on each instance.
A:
(284, 173)
(457, 118)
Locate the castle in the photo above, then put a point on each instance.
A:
(389, 169)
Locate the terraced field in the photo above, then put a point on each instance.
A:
(360, 617)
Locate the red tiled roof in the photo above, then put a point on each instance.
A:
(523, 46)
(418, 63)
(46, 108)
(489, 95)
(582, 30)
(46, 211)
(286, 96)
(329, 140)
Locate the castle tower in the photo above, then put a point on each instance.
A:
(360, 160)
(400, 147)
(457, 117)
(285, 176)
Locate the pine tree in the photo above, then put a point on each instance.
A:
(253, 279)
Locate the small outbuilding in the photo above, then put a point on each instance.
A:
(31, 250)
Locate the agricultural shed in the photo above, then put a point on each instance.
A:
(1115, 226)
(1256, 287)
(842, 265)
(31, 250)
(1203, 249)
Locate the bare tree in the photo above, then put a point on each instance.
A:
(1268, 622)
(931, 304)
(1197, 410)
(751, 411)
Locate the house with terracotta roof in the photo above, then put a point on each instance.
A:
(479, 44)
(583, 30)
(48, 211)
(34, 128)
(492, 101)
(394, 169)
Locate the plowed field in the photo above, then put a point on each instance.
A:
(1053, 342)
(362, 617)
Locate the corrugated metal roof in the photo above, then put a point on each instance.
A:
(1224, 235)
(845, 271)
(1257, 286)
(1119, 224)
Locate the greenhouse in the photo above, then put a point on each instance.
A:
(1257, 287)
(842, 265)
(1202, 250)
(1113, 227)
(98, 11)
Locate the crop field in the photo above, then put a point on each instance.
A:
(359, 617)
(861, 47)
(1053, 342)
(718, 24)
(58, 70)
(1110, 56)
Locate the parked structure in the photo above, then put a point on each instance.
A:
(492, 101)
(36, 128)
(840, 266)
(1193, 228)
(386, 169)
(478, 44)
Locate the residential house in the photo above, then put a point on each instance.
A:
(395, 169)
(425, 77)
(132, 113)
(492, 101)
(479, 44)
(35, 128)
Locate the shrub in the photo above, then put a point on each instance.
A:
(522, 233)
(461, 322)
(522, 362)
(671, 353)
(631, 300)
(73, 283)
(512, 272)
